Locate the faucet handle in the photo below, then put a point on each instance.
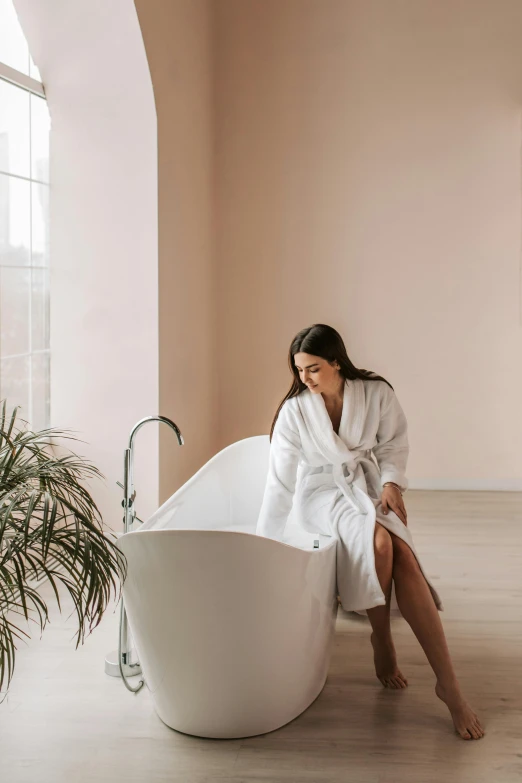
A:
(131, 500)
(132, 497)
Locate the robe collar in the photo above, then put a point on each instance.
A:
(335, 449)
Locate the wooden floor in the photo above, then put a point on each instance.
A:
(65, 720)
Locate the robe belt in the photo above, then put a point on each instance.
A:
(344, 479)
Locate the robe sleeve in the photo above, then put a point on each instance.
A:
(392, 447)
(285, 451)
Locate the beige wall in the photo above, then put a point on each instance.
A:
(178, 41)
(368, 176)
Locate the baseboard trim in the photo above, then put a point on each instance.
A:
(468, 485)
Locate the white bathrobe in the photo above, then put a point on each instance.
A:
(336, 486)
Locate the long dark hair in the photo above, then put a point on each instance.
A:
(322, 340)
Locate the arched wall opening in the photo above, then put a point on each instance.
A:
(103, 234)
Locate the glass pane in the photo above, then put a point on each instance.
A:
(13, 46)
(40, 391)
(40, 310)
(15, 221)
(40, 218)
(14, 130)
(14, 384)
(40, 127)
(14, 311)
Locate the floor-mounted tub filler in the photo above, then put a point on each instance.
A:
(234, 631)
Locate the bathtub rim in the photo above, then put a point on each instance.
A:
(314, 551)
(186, 485)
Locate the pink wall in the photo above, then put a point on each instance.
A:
(368, 176)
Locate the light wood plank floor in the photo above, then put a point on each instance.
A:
(65, 720)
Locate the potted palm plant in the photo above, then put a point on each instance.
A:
(50, 527)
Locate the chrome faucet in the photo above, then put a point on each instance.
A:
(129, 495)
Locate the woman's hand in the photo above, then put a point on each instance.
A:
(391, 498)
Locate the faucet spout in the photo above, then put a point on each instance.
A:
(129, 493)
(163, 419)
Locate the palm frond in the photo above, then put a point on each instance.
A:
(49, 526)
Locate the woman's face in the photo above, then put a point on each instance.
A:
(317, 373)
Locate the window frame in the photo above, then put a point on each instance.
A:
(18, 79)
(34, 87)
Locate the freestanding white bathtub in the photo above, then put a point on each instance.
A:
(234, 631)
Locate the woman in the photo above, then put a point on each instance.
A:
(322, 439)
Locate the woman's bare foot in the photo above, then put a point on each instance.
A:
(466, 721)
(385, 661)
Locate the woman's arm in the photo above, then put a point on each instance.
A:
(392, 447)
(285, 450)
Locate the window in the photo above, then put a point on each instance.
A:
(24, 227)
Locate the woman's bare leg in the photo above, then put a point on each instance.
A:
(420, 612)
(384, 655)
